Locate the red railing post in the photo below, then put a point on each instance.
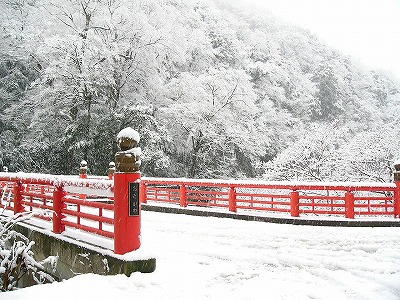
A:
(126, 212)
(58, 204)
(17, 189)
(143, 192)
(183, 196)
(232, 199)
(294, 204)
(349, 205)
(78, 210)
(396, 179)
(397, 200)
(100, 215)
(126, 193)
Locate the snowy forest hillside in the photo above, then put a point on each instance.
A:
(215, 91)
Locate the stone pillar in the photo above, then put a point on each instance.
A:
(111, 170)
(83, 169)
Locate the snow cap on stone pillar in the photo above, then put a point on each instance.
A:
(128, 159)
(83, 167)
(128, 138)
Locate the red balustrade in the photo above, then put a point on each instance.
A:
(348, 200)
(94, 213)
(63, 196)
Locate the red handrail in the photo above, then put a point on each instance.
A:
(95, 211)
(60, 194)
(348, 199)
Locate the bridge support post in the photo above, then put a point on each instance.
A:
(127, 210)
(294, 204)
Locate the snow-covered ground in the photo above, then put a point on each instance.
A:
(211, 258)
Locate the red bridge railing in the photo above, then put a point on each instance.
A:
(85, 204)
(348, 200)
(88, 203)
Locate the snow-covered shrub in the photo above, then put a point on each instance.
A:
(16, 255)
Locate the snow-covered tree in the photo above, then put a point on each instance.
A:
(217, 89)
(17, 257)
(369, 156)
(214, 120)
(95, 65)
(311, 157)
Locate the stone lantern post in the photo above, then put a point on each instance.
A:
(83, 169)
(111, 170)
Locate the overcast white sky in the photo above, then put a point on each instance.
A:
(368, 30)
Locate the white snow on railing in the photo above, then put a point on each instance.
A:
(273, 183)
(103, 186)
(100, 186)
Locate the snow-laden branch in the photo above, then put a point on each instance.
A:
(17, 256)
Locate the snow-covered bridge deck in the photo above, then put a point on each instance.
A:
(214, 258)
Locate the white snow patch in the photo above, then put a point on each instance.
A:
(130, 133)
(212, 258)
